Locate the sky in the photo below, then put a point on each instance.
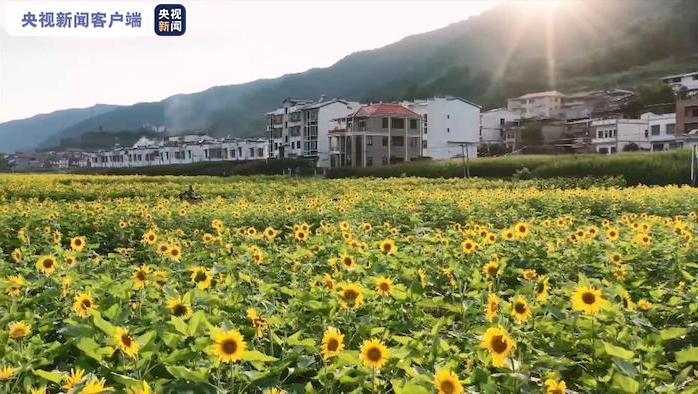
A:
(226, 42)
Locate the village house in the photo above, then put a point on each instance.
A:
(537, 105)
(495, 123)
(687, 82)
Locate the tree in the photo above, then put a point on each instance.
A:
(631, 147)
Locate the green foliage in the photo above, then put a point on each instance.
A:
(269, 167)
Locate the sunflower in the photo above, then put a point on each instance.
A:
(497, 341)
(179, 308)
(15, 288)
(328, 281)
(520, 309)
(366, 227)
(201, 277)
(78, 243)
(620, 272)
(126, 342)
(270, 233)
(628, 303)
(643, 239)
(615, 258)
(542, 292)
(258, 323)
(374, 353)
(95, 386)
(140, 276)
(422, 276)
(554, 387)
(347, 261)
(84, 304)
(587, 299)
(446, 382)
(139, 388)
(175, 252)
(521, 230)
(69, 260)
(160, 278)
(644, 305)
(351, 295)
(19, 330)
(228, 346)
(468, 246)
(529, 274)
(300, 235)
(332, 342)
(274, 390)
(38, 390)
(491, 269)
(492, 307)
(164, 248)
(7, 373)
(612, 234)
(150, 237)
(74, 377)
(16, 255)
(384, 286)
(387, 246)
(47, 264)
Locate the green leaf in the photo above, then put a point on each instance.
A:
(624, 383)
(90, 348)
(52, 376)
(112, 312)
(103, 325)
(687, 356)
(145, 339)
(255, 355)
(195, 321)
(179, 372)
(626, 367)
(617, 351)
(180, 325)
(673, 332)
(410, 387)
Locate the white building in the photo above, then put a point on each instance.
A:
(613, 135)
(537, 105)
(688, 80)
(447, 121)
(661, 131)
(299, 128)
(495, 122)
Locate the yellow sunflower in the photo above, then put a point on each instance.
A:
(374, 353)
(497, 341)
(628, 303)
(555, 387)
(492, 307)
(47, 264)
(175, 252)
(228, 346)
(150, 237)
(139, 388)
(615, 258)
(15, 285)
(332, 343)
(84, 304)
(446, 382)
(179, 308)
(468, 246)
(38, 390)
(520, 309)
(387, 246)
(270, 233)
(529, 274)
(612, 234)
(521, 229)
(96, 386)
(587, 299)
(542, 291)
(491, 269)
(201, 277)
(328, 281)
(126, 342)
(351, 295)
(69, 260)
(19, 330)
(7, 373)
(140, 276)
(644, 305)
(347, 261)
(164, 248)
(73, 378)
(78, 243)
(384, 286)
(16, 255)
(643, 239)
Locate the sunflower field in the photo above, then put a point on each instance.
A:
(403, 285)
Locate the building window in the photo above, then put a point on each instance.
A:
(603, 150)
(251, 152)
(232, 153)
(670, 128)
(448, 129)
(413, 142)
(398, 141)
(694, 113)
(385, 141)
(369, 161)
(448, 116)
(424, 144)
(655, 129)
(362, 124)
(385, 123)
(413, 124)
(260, 152)
(501, 121)
(397, 123)
(384, 160)
(369, 140)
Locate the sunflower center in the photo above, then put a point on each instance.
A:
(499, 345)
(384, 286)
(332, 345)
(447, 386)
(126, 340)
(229, 346)
(491, 270)
(588, 298)
(19, 332)
(387, 247)
(140, 275)
(374, 354)
(520, 307)
(86, 303)
(350, 294)
(78, 242)
(179, 310)
(174, 252)
(48, 263)
(200, 277)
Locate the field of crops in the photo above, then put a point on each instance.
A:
(404, 285)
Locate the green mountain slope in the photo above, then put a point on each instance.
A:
(507, 51)
(24, 134)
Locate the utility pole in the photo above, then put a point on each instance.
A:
(465, 155)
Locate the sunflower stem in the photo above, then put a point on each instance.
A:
(593, 343)
(373, 390)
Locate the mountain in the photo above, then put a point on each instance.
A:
(509, 50)
(24, 134)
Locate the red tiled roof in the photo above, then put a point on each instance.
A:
(384, 110)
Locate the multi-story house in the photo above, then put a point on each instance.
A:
(686, 115)
(687, 82)
(299, 127)
(660, 132)
(614, 135)
(495, 123)
(447, 122)
(376, 135)
(542, 105)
